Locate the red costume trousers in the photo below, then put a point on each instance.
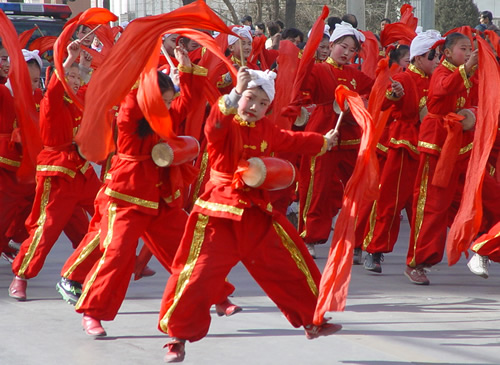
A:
(15, 199)
(397, 182)
(321, 188)
(83, 258)
(431, 212)
(272, 252)
(121, 226)
(55, 201)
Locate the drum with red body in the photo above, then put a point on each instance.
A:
(175, 152)
(269, 173)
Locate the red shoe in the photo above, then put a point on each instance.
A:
(17, 288)
(227, 308)
(175, 351)
(92, 326)
(325, 329)
(146, 272)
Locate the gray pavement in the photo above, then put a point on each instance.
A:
(387, 321)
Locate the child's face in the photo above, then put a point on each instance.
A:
(34, 71)
(168, 97)
(170, 43)
(323, 49)
(253, 104)
(4, 63)
(73, 78)
(426, 65)
(343, 51)
(246, 46)
(82, 32)
(460, 52)
(404, 61)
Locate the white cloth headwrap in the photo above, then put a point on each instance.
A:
(326, 31)
(33, 55)
(243, 32)
(423, 42)
(264, 79)
(344, 29)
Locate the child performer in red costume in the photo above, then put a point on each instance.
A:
(408, 94)
(64, 179)
(137, 200)
(322, 178)
(444, 147)
(232, 222)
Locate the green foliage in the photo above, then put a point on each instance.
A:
(455, 13)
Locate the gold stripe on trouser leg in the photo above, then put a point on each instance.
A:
(201, 176)
(89, 248)
(187, 271)
(419, 214)
(373, 217)
(37, 236)
(296, 256)
(107, 240)
(478, 245)
(396, 212)
(307, 203)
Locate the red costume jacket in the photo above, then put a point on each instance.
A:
(320, 87)
(403, 131)
(133, 177)
(59, 122)
(450, 90)
(231, 140)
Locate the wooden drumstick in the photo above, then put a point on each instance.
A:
(89, 33)
(167, 56)
(242, 56)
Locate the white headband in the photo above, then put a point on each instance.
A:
(33, 55)
(326, 31)
(344, 29)
(264, 79)
(243, 32)
(423, 42)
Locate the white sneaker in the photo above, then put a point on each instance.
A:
(311, 249)
(479, 265)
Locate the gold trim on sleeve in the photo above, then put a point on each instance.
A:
(185, 69)
(199, 70)
(467, 82)
(224, 109)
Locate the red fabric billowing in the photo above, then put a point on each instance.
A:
(450, 150)
(25, 36)
(397, 32)
(369, 54)
(43, 44)
(258, 46)
(407, 16)
(362, 185)
(288, 62)
(466, 30)
(468, 219)
(24, 104)
(90, 17)
(127, 59)
(306, 63)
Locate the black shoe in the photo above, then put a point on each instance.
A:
(357, 256)
(372, 262)
(70, 290)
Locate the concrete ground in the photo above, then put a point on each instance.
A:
(387, 321)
